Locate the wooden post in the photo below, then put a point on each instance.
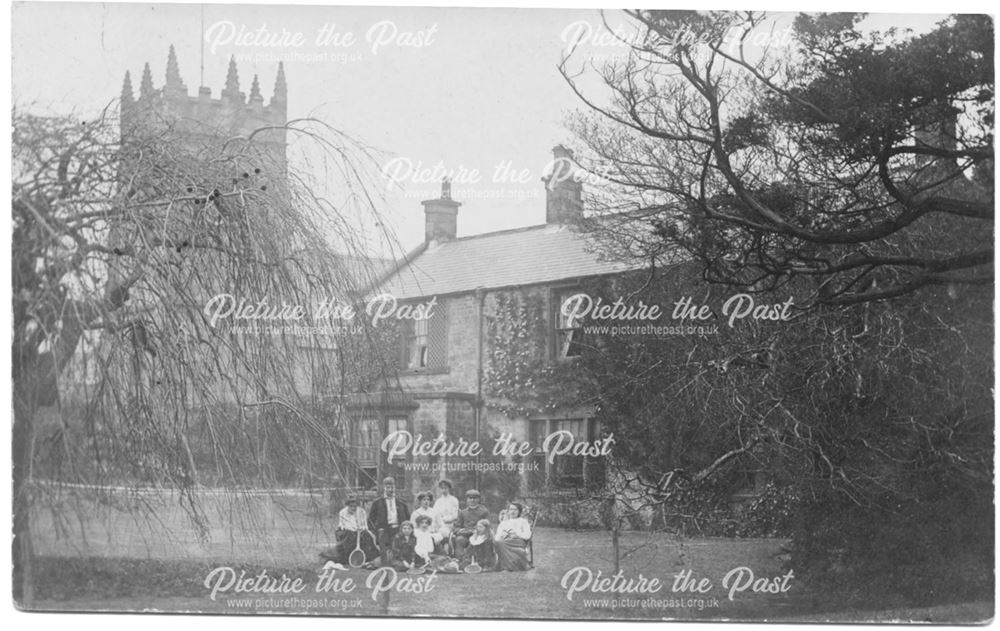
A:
(383, 602)
(615, 547)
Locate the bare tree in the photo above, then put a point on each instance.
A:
(122, 235)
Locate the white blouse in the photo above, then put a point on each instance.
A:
(425, 542)
(352, 522)
(517, 527)
(446, 508)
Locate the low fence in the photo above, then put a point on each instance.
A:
(249, 524)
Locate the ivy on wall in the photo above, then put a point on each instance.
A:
(519, 373)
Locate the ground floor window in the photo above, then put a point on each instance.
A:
(367, 477)
(368, 433)
(565, 471)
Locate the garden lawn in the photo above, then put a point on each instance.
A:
(170, 580)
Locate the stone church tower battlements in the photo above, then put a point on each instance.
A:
(232, 114)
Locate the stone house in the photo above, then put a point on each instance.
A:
(450, 380)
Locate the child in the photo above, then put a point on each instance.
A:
(403, 554)
(425, 540)
(480, 547)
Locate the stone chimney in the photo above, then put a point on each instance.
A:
(441, 215)
(563, 192)
(943, 175)
(940, 134)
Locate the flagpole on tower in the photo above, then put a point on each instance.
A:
(201, 80)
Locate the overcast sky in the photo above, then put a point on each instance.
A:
(464, 88)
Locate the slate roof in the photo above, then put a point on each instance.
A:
(524, 256)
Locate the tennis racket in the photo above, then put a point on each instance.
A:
(357, 558)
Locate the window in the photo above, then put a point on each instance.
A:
(425, 342)
(567, 470)
(369, 433)
(594, 467)
(368, 477)
(538, 475)
(397, 424)
(415, 340)
(568, 333)
(368, 440)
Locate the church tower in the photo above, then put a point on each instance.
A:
(171, 110)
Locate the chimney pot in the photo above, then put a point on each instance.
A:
(441, 215)
(940, 134)
(563, 192)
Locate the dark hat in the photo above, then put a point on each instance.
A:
(472, 493)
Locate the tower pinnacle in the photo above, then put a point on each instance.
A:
(232, 89)
(146, 83)
(280, 87)
(127, 97)
(174, 81)
(255, 90)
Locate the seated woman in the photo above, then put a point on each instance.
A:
(352, 525)
(480, 547)
(511, 540)
(404, 554)
(426, 541)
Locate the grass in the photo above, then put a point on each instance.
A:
(117, 561)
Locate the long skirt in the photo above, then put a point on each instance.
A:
(512, 554)
(347, 540)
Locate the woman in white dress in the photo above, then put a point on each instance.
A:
(446, 509)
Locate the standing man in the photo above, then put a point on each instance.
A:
(385, 517)
(465, 525)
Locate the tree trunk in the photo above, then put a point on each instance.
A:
(383, 603)
(616, 547)
(22, 553)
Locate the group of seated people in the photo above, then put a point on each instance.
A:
(438, 535)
